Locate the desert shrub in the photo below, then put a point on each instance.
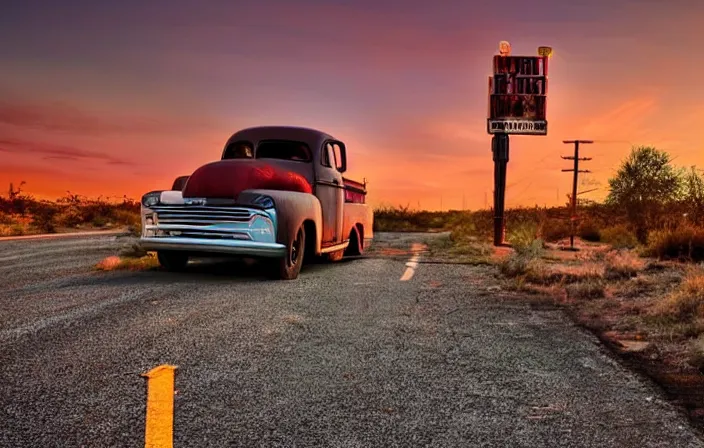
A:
(515, 265)
(127, 217)
(401, 219)
(552, 229)
(684, 242)
(463, 232)
(18, 225)
(523, 260)
(588, 230)
(619, 237)
(685, 303)
(522, 235)
(44, 217)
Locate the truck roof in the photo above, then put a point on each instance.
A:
(312, 137)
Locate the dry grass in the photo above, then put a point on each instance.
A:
(685, 242)
(619, 237)
(115, 263)
(622, 264)
(685, 303)
(592, 288)
(696, 353)
(459, 246)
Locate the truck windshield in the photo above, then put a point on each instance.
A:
(284, 150)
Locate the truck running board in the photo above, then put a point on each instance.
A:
(336, 247)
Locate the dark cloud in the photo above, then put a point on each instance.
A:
(57, 116)
(49, 151)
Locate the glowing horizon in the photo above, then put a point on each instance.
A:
(123, 106)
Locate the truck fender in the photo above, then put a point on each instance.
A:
(293, 209)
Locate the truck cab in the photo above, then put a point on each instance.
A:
(277, 193)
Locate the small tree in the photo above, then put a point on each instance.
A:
(693, 197)
(643, 186)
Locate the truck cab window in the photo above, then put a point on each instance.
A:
(283, 150)
(338, 156)
(328, 155)
(239, 150)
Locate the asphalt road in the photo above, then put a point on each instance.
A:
(346, 356)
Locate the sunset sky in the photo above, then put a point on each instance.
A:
(113, 98)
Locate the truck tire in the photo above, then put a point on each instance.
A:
(172, 261)
(288, 267)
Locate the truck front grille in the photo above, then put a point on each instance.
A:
(200, 215)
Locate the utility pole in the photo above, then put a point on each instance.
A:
(576, 172)
(500, 150)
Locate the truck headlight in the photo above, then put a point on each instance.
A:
(151, 199)
(263, 201)
(257, 200)
(262, 227)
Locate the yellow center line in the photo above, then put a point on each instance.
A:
(412, 263)
(158, 431)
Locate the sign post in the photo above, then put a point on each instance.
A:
(517, 105)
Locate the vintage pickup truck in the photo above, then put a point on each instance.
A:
(277, 194)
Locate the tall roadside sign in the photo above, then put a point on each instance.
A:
(517, 106)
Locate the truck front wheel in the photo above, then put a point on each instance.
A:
(172, 261)
(288, 267)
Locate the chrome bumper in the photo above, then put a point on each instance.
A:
(234, 247)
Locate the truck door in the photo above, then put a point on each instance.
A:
(330, 191)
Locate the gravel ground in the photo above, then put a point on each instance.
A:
(345, 356)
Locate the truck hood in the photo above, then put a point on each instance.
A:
(228, 178)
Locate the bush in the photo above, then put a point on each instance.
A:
(522, 235)
(554, 229)
(589, 231)
(619, 237)
(683, 243)
(524, 259)
(44, 218)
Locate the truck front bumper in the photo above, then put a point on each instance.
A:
(233, 247)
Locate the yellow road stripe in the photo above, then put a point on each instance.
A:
(158, 431)
(412, 264)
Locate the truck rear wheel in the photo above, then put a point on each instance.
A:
(172, 261)
(288, 267)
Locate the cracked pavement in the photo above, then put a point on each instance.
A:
(346, 356)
